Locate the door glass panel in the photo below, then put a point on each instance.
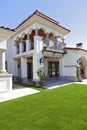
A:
(53, 69)
(29, 70)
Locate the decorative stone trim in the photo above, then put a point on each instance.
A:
(70, 66)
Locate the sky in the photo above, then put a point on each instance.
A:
(72, 14)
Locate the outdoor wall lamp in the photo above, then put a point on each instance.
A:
(41, 60)
(18, 66)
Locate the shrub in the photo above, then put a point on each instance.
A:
(40, 73)
(79, 78)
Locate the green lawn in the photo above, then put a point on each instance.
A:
(64, 108)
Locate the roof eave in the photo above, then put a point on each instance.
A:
(6, 33)
(36, 13)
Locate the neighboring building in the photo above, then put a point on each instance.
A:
(38, 42)
(5, 78)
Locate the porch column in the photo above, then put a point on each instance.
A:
(28, 46)
(86, 71)
(24, 69)
(36, 31)
(20, 46)
(46, 68)
(37, 55)
(2, 61)
(47, 39)
(15, 68)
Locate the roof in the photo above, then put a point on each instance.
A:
(6, 28)
(43, 16)
(77, 49)
(6, 32)
(38, 14)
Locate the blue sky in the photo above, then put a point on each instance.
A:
(71, 14)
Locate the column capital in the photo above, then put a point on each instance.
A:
(58, 36)
(63, 40)
(36, 31)
(27, 36)
(47, 35)
(21, 39)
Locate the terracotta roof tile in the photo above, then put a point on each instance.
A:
(43, 16)
(7, 28)
(71, 48)
(39, 14)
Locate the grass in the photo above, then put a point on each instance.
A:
(63, 108)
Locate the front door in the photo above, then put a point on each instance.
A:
(29, 70)
(53, 69)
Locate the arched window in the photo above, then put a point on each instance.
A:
(41, 33)
(32, 34)
(50, 35)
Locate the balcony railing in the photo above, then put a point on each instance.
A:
(54, 45)
(24, 46)
(28, 45)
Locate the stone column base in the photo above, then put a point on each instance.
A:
(5, 82)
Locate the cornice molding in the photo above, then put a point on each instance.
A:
(5, 33)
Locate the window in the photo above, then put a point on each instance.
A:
(24, 46)
(17, 49)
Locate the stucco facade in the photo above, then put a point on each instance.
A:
(39, 42)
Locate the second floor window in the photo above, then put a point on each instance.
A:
(24, 46)
(17, 49)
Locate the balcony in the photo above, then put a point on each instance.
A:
(54, 45)
(24, 47)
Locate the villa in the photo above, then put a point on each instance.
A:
(39, 42)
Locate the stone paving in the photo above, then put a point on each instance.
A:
(20, 91)
(51, 84)
(84, 81)
(55, 83)
(16, 93)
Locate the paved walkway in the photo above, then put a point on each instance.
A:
(56, 83)
(16, 93)
(84, 81)
(51, 84)
(20, 91)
